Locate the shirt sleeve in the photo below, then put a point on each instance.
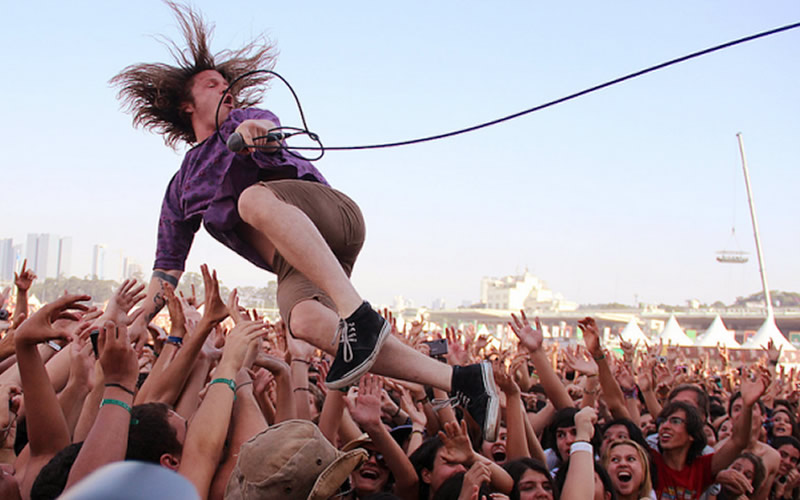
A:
(175, 231)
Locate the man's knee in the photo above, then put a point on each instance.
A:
(313, 322)
(255, 201)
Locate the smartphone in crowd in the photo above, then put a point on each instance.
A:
(438, 347)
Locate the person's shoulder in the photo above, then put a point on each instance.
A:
(241, 114)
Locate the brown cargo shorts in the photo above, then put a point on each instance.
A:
(341, 225)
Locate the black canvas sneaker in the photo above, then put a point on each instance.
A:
(360, 339)
(473, 387)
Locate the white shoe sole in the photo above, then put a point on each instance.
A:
(493, 405)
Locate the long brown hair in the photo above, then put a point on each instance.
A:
(155, 92)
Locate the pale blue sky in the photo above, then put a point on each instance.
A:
(627, 191)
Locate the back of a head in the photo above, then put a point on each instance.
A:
(131, 480)
(150, 434)
(52, 478)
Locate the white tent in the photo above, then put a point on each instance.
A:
(718, 334)
(769, 331)
(672, 334)
(632, 333)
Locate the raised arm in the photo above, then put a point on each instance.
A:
(23, 280)
(107, 441)
(154, 301)
(579, 483)
(752, 388)
(167, 386)
(612, 394)
(531, 339)
(209, 427)
(366, 411)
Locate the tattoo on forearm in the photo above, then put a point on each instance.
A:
(158, 303)
(172, 280)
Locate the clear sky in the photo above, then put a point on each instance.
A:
(629, 191)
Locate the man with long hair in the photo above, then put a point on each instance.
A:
(273, 208)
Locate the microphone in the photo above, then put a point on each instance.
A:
(236, 143)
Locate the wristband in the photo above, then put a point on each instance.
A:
(773, 362)
(230, 383)
(301, 389)
(397, 412)
(601, 356)
(414, 431)
(243, 384)
(631, 393)
(116, 402)
(120, 386)
(178, 341)
(580, 446)
(302, 361)
(53, 345)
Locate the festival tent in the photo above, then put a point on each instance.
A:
(718, 334)
(769, 331)
(632, 333)
(672, 334)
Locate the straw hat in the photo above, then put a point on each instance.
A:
(291, 460)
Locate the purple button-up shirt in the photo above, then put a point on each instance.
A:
(207, 187)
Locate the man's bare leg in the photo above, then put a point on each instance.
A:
(316, 324)
(297, 239)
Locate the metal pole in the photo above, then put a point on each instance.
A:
(761, 268)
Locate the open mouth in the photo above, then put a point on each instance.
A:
(499, 456)
(228, 101)
(625, 477)
(369, 474)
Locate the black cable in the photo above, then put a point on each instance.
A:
(540, 107)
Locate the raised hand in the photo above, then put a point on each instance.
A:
(412, 409)
(754, 386)
(530, 338)
(25, 278)
(214, 310)
(477, 475)
(581, 362)
(236, 311)
(456, 355)
(772, 351)
(584, 423)
(366, 408)
(456, 445)
(734, 481)
(127, 295)
(591, 336)
(117, 357)
(40, 327)
(176, 316)
(504, 380)
(238, 342)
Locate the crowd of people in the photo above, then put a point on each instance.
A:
(333, 399)
(237, 407)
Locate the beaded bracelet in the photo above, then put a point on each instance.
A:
(116, 402)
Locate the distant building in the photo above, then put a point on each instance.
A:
(49, 255)
(99, 262)
(525, 291)
(7, 259)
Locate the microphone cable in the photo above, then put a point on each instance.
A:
(315, 137)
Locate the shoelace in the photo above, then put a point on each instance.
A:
(459, 398)
(346, 334)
